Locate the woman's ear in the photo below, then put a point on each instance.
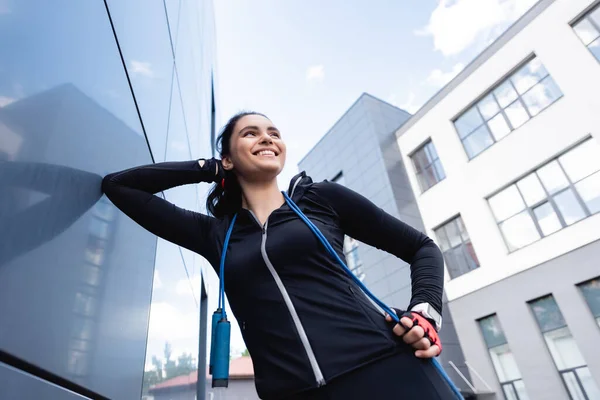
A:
(227, 163)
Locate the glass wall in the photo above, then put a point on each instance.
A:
(88, 88)
(457, 248)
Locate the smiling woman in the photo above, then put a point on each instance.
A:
(310, 329)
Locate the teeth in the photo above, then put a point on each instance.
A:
(266, 153)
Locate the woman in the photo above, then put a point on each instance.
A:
(311, 332)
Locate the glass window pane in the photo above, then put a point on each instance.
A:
(531, 189)
(478, 141)
(589, 190)
(453, 233)
(519, 231)
(529, 75)
(499, 127)
(493, 335)
(569, 207)
(552, 177)
(488, 106)
(595, 16)
(431, 153)
(506, 203)
(463, 230)
(469, 252)
(505, 94)
(468, 122)
(582, 161)
(541, 96)
(573, 386)
(588, 383)
(520, 387)
(547, 219)
(547, 314)
(420, 160)
(456, 262)
(595, 48)
(564, 349)
(591, 293)
(509, 392)
(442, 239)
(586, 31)
(504, 363)
(439, 170)
(517, 114)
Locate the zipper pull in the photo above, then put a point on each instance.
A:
(264, 231)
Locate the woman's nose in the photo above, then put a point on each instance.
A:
(266, 138)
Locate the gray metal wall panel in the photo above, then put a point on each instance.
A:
(17, 385)
(524, 338)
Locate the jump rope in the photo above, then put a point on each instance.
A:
(221, 328)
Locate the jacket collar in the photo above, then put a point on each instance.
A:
(298, 186)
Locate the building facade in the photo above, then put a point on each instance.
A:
(360, 152)
(505, 164)
(88, 299)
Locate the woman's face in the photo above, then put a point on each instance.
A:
(256, 149)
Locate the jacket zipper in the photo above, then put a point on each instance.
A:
(290, 306)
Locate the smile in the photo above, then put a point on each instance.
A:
(267, 153)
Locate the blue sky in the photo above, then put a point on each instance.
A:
(303, 63)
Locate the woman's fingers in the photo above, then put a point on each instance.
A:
(431, 352)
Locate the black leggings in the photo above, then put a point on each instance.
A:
(402, 376)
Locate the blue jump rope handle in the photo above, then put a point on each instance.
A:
(220, 373)
(215, 319)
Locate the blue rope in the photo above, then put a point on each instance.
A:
(222, 269)
(387, 309)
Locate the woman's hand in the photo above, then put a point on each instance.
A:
(215, 165)
(419, 333)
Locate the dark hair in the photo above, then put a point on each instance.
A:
(227, 201)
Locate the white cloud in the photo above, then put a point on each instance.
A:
(315, 73)
(439, 78)
(4, 101)
(458, 24)
(168, 323)
(141, 68)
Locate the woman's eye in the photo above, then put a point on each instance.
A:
(275, 134)
(249, 133)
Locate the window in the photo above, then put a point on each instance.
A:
(564, 350)
(518, 98)
(556, 195)
(503, 359)
(351, 245)
(427, 166)
(588, 30)
(456, 245)
(591, 294)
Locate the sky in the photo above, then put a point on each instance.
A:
(304, 62)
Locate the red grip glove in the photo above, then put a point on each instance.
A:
(430, 332)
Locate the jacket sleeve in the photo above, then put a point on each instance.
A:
(364, 221)
(133, 192)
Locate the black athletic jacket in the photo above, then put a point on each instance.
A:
(303, 319)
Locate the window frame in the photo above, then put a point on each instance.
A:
(490, 91)
(509, 382)
(419, 174)
(564, 371)
(462, 243)
(585, 15)
(579, 289)
(548, 199)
